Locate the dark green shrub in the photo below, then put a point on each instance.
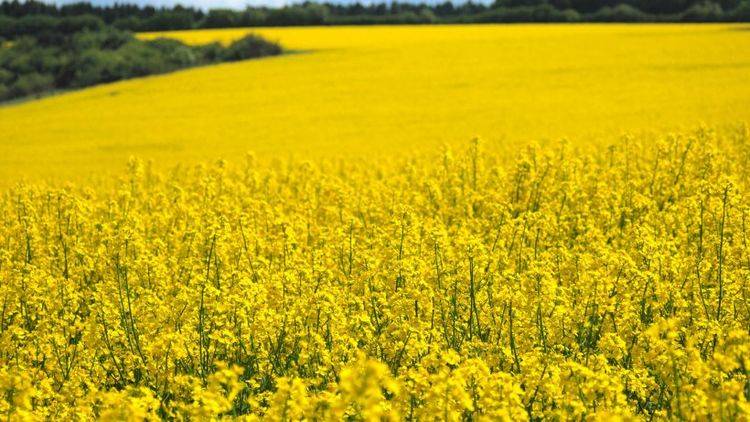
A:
(309, 14)
(249, 47)
(107, 39)
(741, 13)
(130, 23)
(662, 7)
(427, 16)
(173, 52)
(706, 11)
(547, 13)
(7, 27)
(72, 24)
(25, 56)
(97, 66)
(619, 13)
(31, 84)
(253, 17)
(34, 25)
(142, 61)
(168, 20)
(541, 13)
(5, 76)
(210, 53)
(221, 18)
(29, 65)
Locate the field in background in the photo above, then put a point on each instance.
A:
(369, 90)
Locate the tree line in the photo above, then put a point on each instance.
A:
(44, 53)
(148, 18)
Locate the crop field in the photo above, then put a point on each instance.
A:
(349, 91)
(388, 223)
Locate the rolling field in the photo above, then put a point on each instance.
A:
(586, 258)
(372, 90)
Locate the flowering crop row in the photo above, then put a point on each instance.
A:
(566, 283)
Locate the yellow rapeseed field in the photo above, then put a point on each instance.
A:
(586, 258)
(449, 286)
(372, 90)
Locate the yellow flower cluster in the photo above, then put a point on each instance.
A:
(566, 283)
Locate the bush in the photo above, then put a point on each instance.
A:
(32, 84)
(221, 18)
(5, 76)
(547, 13)
(408, 17)
(210, 53)
(706, 11)
(253, 17)
(27, 57)
(542, 13)
(108, 39)
(70, 25)
(33, 25)
(619, 13)
(49, 28)
(131, 23)
(29, 66)
(7, 27)
(662, 7)
(249, 47)
(142, 61)
(571, 15)
(97, 66)
(310, 14)
(45, 60)
(173, 52)
(164, 21)
(741, 13)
